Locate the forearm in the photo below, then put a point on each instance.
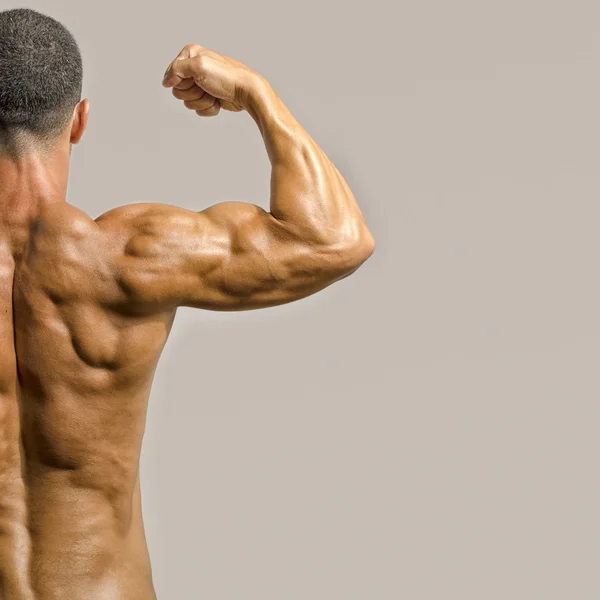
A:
(307, 190)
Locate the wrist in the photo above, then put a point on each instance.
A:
(260, 99)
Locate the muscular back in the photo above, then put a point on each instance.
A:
(86, 307)
(75, 387)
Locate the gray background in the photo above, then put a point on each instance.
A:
(428, 427)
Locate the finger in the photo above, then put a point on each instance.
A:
(182, 68)
(185, 84)
(213, 111)
(186, 52)
(190, 50)
(193, 93)
(204, 103)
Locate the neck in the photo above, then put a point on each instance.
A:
(31, 178)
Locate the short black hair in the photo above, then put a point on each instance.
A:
(41, 74)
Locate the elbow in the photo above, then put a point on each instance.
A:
(355, 251)
(336, 255)
(367, 245)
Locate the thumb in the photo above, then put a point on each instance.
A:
(179, 69)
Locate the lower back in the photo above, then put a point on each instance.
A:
(74, 544)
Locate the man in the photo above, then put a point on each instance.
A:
(87, 305)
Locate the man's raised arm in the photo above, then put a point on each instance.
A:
(234, 255)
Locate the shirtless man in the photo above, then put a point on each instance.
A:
(86, 305)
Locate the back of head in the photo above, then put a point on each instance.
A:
(41, 76)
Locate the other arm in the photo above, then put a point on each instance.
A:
(234, 255)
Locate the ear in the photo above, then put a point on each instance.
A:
(80, 119)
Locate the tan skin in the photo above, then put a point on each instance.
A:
(86, 307)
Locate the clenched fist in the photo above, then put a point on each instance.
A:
(207, 81)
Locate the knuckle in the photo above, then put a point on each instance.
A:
(187, 49)
(200, 62)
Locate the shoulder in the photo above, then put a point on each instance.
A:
(62, 231)
(127, 212)
(65, 233)
(63, 219)
(68, 255)
(142, 212)
(150, 222)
